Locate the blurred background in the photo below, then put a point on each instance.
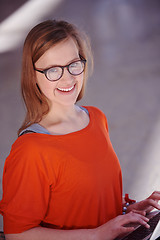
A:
(125, 39)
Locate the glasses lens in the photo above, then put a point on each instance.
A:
(54, 73)
(76, 68)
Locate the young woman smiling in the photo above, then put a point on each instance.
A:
(62, 178)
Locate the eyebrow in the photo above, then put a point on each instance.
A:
(57, 65)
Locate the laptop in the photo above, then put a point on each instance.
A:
(143, 233)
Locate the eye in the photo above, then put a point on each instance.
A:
(54, 73)
(53, 70)
(76, 68)
(75, 64)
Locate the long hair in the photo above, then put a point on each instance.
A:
(38, 41)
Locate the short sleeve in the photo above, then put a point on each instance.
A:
(26, 187)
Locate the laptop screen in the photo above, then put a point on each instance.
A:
(156, 232)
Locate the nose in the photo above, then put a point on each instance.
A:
(67, 77)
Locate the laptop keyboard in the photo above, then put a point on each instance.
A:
(141, 232)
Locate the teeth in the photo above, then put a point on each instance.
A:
(66, 89)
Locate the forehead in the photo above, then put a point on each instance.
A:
(60, 54)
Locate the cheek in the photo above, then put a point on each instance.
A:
(80, 80)
(46, 87)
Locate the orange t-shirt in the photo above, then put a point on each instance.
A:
(62, 181)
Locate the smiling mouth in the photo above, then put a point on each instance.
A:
(66, 89)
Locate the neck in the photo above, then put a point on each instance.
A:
(59, 114)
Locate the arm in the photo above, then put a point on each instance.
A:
(41, 233)
(108, 231)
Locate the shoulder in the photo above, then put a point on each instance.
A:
(26, 156)
(27, 148)
(98, 116)
(32, 153)
(95, 111)
(30, 140)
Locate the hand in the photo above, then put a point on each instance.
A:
(145, 206)
(117, 227)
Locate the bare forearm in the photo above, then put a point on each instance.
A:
(107, 231)
(40, 233)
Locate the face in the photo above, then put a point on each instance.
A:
(65, 90)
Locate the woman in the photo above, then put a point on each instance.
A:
(62, 179)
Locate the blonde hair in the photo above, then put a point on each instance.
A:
(38, 41)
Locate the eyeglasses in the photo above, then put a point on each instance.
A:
(56, 72)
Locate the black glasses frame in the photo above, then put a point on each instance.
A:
(62, 67)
